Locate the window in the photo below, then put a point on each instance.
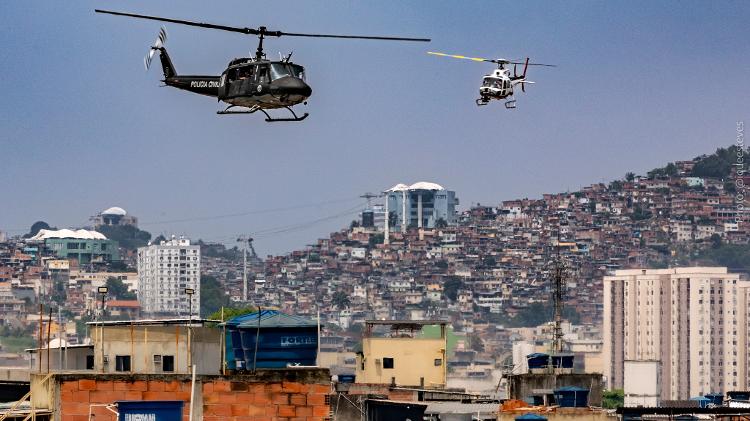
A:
(438, 362)
(167, 363)
(387, 362)
(89, 362)
(122, 363)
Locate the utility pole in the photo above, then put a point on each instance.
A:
(557, 298)
(245, 240)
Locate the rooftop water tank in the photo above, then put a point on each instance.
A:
(531, 417)
(716, 398)
(537, 360)
(572, 397)
(702, 401)
(283, 340)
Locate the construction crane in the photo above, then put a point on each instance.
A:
(369, 196)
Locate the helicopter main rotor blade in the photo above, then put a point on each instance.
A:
(292, 34)
(489, 60)
(247, 31)
(253, 31)
(461, 57)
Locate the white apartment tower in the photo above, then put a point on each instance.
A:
(693, 320)
(165, 270)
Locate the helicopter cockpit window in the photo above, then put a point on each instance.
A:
(246, 72)
(262, 74)
(279, 70)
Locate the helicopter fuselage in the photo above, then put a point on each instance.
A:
(249, 83)
(497, 85)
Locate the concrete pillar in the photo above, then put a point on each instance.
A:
(403, 211)
(387, 220)
(419, 211)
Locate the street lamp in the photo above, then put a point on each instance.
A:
(103, 292)
(190, 292)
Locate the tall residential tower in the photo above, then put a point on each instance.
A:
(693, 320)
(165, 270)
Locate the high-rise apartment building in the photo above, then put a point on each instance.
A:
(165, 271)
(693, 320)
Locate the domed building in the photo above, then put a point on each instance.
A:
(114, 216)
(421, 205)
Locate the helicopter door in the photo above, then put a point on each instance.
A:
(262, 75)
(224, 85)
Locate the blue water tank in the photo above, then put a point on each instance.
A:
(282, 339)
(531, 417)
(572, 397)
(346, 378)
(716, 398)
(562, 360)
(150, 410)
(537, 360)
(702, 401)
(739, 395)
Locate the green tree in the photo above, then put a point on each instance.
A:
(118, 290)
(441, 223)
(615, 185)
(717, 165)
(213, 296)
(715, 241)
(451, 287)
(376, 239)
(231, 312)
(127, 236)
(340, 299)
(612, 399)
(36, 227)
(476, 343)
(630, 177)
(489, 262)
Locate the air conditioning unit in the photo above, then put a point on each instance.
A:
(106, 360)
(157, 359)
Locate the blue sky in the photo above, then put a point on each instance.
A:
(83, 127)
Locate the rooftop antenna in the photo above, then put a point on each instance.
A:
(557, 298)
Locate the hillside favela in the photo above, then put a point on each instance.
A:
(337, 210)
(625, 298)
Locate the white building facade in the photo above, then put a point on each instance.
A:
(693, 320)
(165, 271)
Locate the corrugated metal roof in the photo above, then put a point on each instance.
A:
(270, 319)
(461, 408)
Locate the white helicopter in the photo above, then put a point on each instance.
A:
(499, 84)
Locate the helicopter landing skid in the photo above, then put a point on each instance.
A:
(268, 116)
(510, 104)
(482, 101)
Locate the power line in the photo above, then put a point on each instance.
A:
(246, 213)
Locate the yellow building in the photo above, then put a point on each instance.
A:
(400, 357)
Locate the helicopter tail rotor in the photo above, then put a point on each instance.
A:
(158, 44)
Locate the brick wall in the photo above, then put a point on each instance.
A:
(270, 395)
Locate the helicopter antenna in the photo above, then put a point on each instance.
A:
(262, 32)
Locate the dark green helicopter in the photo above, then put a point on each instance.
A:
(250, 83)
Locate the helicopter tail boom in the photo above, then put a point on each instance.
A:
(204, 85)
(166, 63)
